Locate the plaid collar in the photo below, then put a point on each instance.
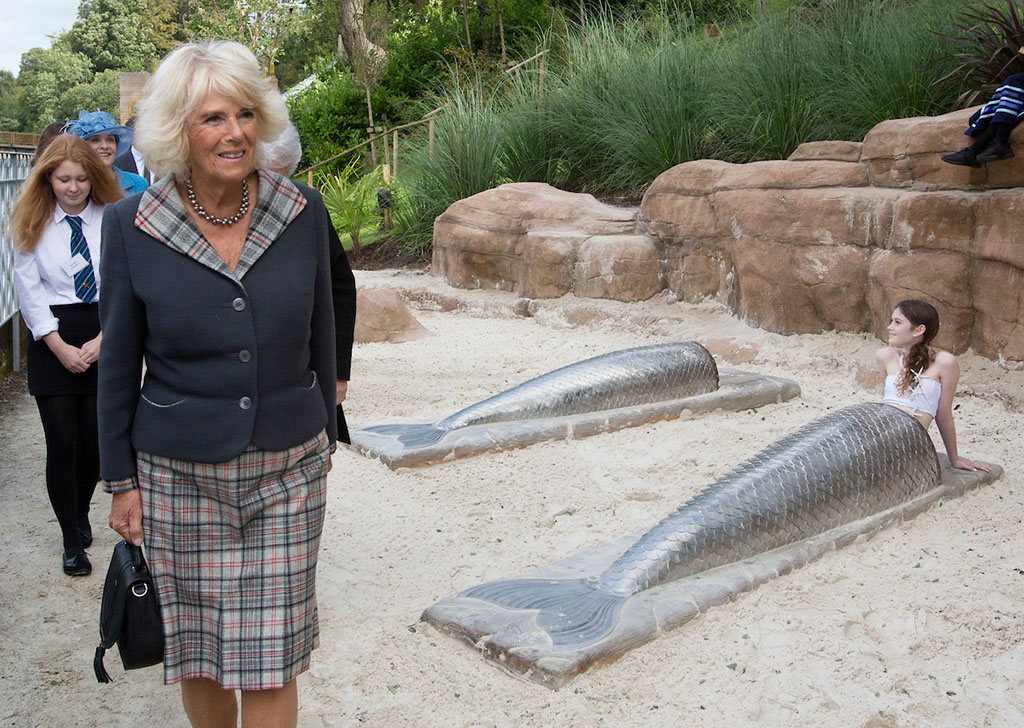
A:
(162, 215)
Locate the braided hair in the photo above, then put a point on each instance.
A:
(920, 355)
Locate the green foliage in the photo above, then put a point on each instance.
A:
(109, 34)
(627, 97)
(987, 40)
(331, 115)
(829, 73)
(766, 104)
(417, 41)
(466, 159)
(45, 76)
(9, 102)
(628, 101)
(313, 38)
(259, 25)
(351, 200)
(102, 93)
(875, 61)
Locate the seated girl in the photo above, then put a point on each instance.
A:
(920, 380)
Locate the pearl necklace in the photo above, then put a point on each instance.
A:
(219, 220)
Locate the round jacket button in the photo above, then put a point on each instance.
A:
(238, 304)
(244, 356)
(245, 403)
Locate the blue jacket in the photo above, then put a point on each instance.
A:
(130, 182)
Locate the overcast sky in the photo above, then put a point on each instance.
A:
(24, 24)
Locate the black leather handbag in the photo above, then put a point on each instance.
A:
(130, 613)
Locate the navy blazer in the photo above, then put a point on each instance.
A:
(232, 357)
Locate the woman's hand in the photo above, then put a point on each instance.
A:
(70, 357)
(91, 349)
(126, 515)
(965, 464)
(340, 391)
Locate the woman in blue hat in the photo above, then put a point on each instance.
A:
(110, 140)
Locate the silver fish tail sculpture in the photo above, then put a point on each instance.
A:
(619, 379)
(845, 466)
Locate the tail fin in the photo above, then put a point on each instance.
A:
(411, 435)
(573, 613)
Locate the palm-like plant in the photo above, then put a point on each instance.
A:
(351, 200)
(992, 36)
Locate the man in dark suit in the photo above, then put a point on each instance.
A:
(282, 156)
(132, 161)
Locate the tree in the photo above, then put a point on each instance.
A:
(45, 76)
(8, 102)
(260, 25)
(102, 93)
(111, 35)
(369, 60)
(353, 39)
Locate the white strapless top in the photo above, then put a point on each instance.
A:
(922, 397)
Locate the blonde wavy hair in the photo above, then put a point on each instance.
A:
(179, 85)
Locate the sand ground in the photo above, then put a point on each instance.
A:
(922, 625)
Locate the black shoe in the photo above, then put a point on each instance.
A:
(77, 564)
(994, 152)
(965, 158)
(86, 534)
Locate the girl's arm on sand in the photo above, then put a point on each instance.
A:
(949, 375)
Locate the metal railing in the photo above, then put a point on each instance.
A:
(14, 169)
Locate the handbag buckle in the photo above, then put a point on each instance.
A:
(140, 589)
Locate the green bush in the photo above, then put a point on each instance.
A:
(872, 61)
(331, 115)
(465, 160)
(351, 200)
(764, 103)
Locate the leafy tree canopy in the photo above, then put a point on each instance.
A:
(109, 34)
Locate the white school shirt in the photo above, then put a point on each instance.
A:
(140, 164)
(42, 275)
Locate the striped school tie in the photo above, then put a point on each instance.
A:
(85, 279)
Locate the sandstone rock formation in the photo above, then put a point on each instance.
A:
(381, 315)
(830, 239)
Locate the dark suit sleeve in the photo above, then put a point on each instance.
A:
(322, 347)
(343, 286)
(126, 162)
(123, 321)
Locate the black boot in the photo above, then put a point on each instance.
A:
(76, 564)
(964, 158)
(85, 529)
(995, 151)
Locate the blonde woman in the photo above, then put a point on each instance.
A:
(218, 276)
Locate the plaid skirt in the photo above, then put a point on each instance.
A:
(233, 548)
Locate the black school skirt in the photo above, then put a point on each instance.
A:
(78, 323)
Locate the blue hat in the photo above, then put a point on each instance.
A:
(91, 123)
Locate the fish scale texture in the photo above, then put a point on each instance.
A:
(619, 379)
(845, 466)
(627, 378)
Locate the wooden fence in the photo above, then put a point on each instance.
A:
(18, 139)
